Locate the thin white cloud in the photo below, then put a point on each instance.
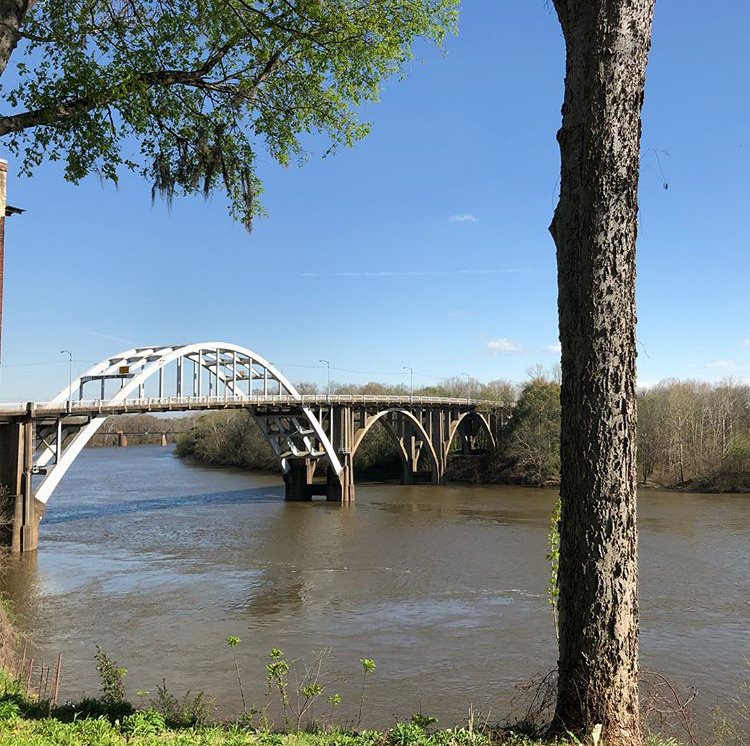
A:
(108, 336)
(555, 348)
(466, 217)
(721, 364)
(502, 345)
(426, 273)
(746, 342)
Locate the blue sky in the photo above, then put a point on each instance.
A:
(426, 245)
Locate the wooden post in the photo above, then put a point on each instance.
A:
(28, 676)
(22, 667)
(57, 678)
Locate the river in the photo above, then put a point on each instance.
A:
(158, 561)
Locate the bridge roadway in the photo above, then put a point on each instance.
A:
(93, 407)
(314, 437)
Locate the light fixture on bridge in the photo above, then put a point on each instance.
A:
(328, 366)
(411, 380)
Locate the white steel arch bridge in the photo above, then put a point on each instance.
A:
(315, 438)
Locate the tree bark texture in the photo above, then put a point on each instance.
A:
(594, 229)
(11, 16)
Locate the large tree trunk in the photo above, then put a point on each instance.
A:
(11, 15)
(594, 228)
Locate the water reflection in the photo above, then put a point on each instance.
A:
(105, 511)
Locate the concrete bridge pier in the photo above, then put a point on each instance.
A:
(409, 452)
(21, 512)
(298, 480)
(300, 483)
(439, 435)
(340, 487)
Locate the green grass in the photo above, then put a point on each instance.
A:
(147, 729)
(112, 721)
(100, 732)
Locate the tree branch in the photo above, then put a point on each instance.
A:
(70, 110)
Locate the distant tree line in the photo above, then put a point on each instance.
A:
(695, 434)
(141, 429)
(691, 434)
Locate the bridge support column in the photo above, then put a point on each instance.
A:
(409, 465)
(21, 512)
(163, 439)
(439, 435)
(297, 481)
(122, 439)
(340, 487)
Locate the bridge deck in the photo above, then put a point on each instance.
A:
(94, 407)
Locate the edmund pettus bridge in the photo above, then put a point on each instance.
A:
(314, 437)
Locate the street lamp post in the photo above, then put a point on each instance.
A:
(70, 375)
(411, 381)
(468, 384)
(328, 366)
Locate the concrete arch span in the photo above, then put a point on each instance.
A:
(467, 426)
(410, 436)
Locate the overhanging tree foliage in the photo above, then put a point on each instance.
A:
(187, 92)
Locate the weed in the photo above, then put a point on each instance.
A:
(113, 689)
(90, 708)
(407, 734)
(311, 686)
(233, 642)
(188, 712)
(423, 721)
(368, 666)
(9, 711)
(143, 723)
(277, 677)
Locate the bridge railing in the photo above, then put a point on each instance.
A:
(182, 403)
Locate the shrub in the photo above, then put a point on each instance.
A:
(9, 711)
(113, 690)
(90, 708)
(407, 734)
(191, 711)
(143, 723)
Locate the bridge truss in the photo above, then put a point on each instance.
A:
(315, 438)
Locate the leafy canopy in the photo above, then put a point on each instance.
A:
(186, 92)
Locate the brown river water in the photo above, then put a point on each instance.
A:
(158, 561)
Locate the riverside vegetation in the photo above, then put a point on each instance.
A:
(112, 720)
(691, 435)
